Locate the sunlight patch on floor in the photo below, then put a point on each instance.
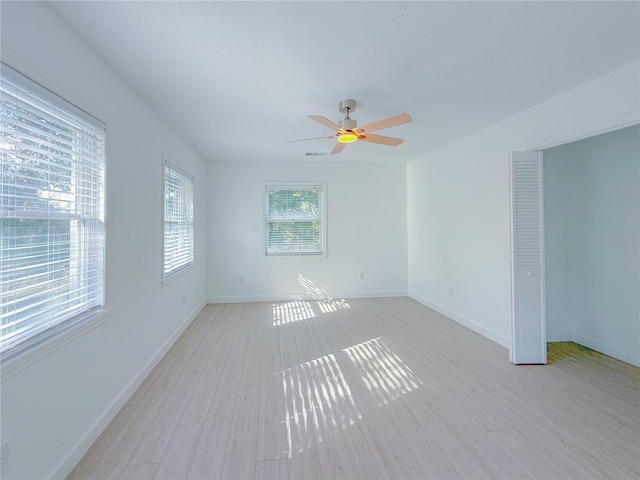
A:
(289, 312)
(320, 293)
(384, 374)
(317, 399)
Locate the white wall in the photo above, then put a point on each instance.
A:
(592, 230)
(458, 200)
(454, 203)
(54, 407)
(366, 232)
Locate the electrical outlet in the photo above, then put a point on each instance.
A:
(450, 290)
(361, 276)
(4, 458)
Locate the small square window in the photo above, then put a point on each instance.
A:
(295, 219)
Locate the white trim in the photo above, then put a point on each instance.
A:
(629, 357)
(559, 337)
(613, 125)
(59, 337)
(303, 296)
(485, 332)
(43, 76)
(76, 452)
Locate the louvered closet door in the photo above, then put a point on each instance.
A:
(528, 328)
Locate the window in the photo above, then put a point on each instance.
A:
(178, 220)
(51, 213)
(295, 220)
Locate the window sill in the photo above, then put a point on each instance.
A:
(293, 256)
(175, 274)
(14, 362)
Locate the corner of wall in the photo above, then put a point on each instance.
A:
(470, 324)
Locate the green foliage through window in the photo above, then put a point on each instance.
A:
(51, 212)
(294, 220)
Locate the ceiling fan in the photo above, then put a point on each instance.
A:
(347, 130)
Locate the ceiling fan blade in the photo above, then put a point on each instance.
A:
(391, 141)
(387, 122)
(338, 148)
(306, 139)
(325, 121)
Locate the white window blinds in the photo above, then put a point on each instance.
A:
(51, 212)
(295, 220)
(178, 220)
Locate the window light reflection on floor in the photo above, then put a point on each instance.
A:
(384, 374)
(317, 399)
(320, 293)
(289, 312)
(296, 310)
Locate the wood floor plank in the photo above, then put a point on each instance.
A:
(565, 458)
(116, 456)
(366, 388)
(272, 432)
(252, 363)
(176, 459)
(157, 437)
(429, 456)
(199, 400)
(272, 469)
(397, 460)
(304, 462)
(335, 461)
(363, 452)
(511, 457)
(210, 453)
(618, 458)
(137, 472)
(84, 466)
(240, 456)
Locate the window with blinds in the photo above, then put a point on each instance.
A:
(295, 222)
(178, 220)
(51, 213)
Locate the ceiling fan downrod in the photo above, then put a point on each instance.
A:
(347, 123)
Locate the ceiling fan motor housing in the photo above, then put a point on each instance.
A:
(347, 124)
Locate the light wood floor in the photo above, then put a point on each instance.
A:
(366, 388)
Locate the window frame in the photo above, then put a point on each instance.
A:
(85, 311)
(189, 205)
(289, 185)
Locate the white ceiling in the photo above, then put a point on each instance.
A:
(238, 79)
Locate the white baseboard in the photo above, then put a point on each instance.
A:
(485, 332)
(625, 356)
(630, 357)
(65, 466)
(299, 296)
(559, 337)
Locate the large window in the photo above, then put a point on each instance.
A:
(178, 220)
(295, 219)
(51, 213)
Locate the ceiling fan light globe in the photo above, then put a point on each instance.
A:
(347, 137)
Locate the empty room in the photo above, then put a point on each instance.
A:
(320, 240)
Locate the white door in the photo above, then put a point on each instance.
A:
(528, 325)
